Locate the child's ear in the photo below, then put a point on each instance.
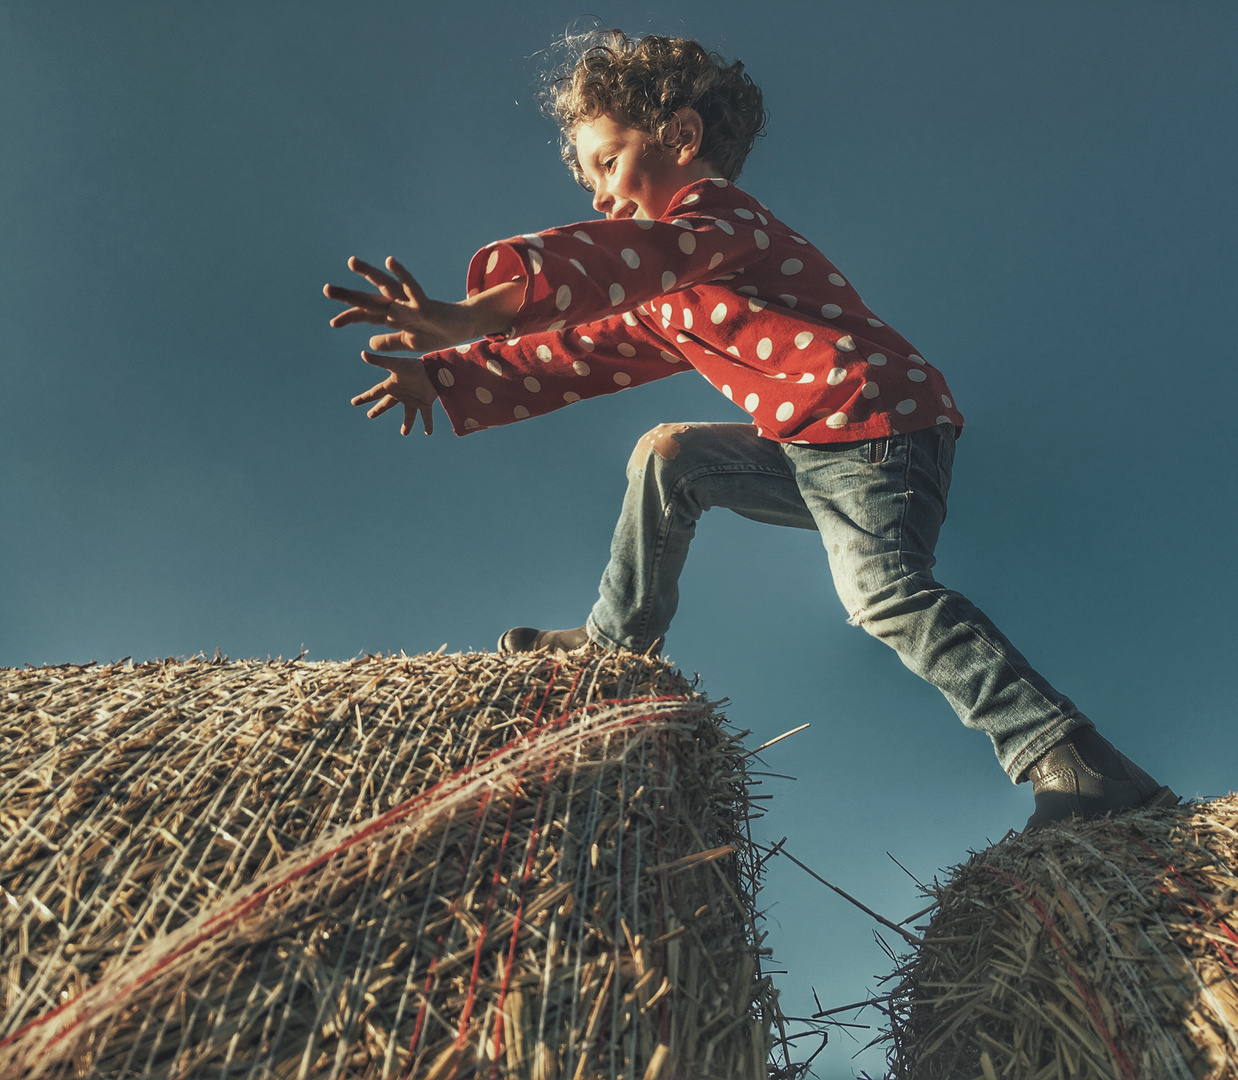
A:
(691, 132)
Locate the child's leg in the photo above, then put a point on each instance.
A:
(879, 507)
(675, 474)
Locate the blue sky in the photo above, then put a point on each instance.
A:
(1039, 195)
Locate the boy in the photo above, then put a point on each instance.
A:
(853, 431)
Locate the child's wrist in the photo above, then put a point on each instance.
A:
(492, 311)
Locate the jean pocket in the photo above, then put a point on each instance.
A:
(878, 451)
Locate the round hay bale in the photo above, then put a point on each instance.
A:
(427, 867)
(1103, 949)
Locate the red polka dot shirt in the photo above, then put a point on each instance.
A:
(718, 284)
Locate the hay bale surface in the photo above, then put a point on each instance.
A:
(1106, 949)
(432, 866)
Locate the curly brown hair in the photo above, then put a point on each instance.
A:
(643, 81)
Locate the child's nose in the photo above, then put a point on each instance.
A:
(601, 200)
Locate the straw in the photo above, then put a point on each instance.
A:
(438, 867)
(1103, 949)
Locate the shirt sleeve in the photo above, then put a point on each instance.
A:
(582, 273)
(492, 382)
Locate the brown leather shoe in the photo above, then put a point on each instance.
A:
(1084, 776)
(526, 639)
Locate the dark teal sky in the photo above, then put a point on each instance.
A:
(1039, 195)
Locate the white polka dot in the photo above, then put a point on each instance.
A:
(732, 350)
(569, 397)
(532, 385)
(580, 234)
(484, 395)
(916, 375)
(781, 375)
(644, 223)
(726, 392)
(687, 318)
(687, 243)
(837, 279)
(803, 339)
(668, 281)
(945, 400)
(513, 341)
(751, 402)
(563, 298)
(616, 294)
(681, 338)
(666, 311)
(915, 359)
(784, 411)
(831, 311)
(492, 262)
(870, 390)
(587, 342)
(622, 378)
(798, 239)
(469, 422)
(446, 377)
(534, 239)
(792, 266)
(747, 290)
(520, 412)
(630, 257)
(494, 366)
(877, 359)
(836, 420)
(757, 305)
(760, 432)
(535, 261)
(462, 349)
(762, 241)
(579, 266)
(670, 358)
(718, 314)
(944, 420)
(846, 343)
(717, 181)
(544, 353)
(689, 199)
(629, 318)
(906, 406)
(788, 299)
(717, 258)
(762, 219)
(726, 227)
(558, 324)
(836, 376)
(807, 377)
(624, 349)
(764, 348)
(683, 223)
(580, 367)
(875, 322)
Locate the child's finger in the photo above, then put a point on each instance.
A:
(389, 343)
(355, 315)
(376, 391)
(387, 402)
(414, 291)
(367, 300)
(390, 287)
(427, 417)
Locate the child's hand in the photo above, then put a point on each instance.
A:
(407, 385)
(419, 323)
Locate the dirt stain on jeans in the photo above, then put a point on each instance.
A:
(661, 441)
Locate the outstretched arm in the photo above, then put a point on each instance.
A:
(416, 322)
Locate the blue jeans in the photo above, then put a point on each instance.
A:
(878, 506)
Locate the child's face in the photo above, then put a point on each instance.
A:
(631, 176)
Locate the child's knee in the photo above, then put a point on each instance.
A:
(659, 444)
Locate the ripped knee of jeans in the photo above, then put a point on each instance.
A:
(661, 441)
